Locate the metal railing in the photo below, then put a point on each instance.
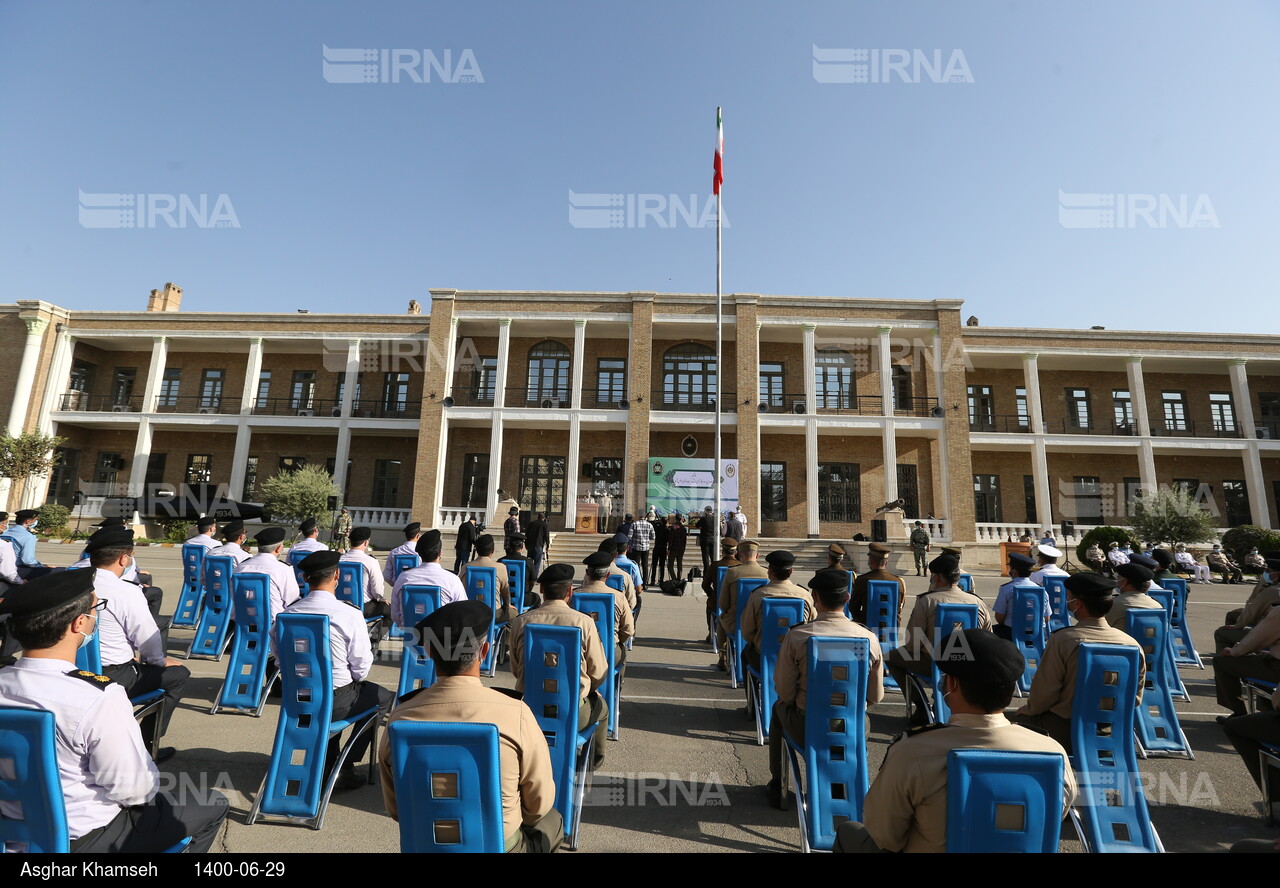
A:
(1019, 424)
(524, 396)
(856, 405)
(1071, 427)
(196, 404)
(1189, 428)
(1268, 429)
(787, 402)
(366, 408)
(916, 407)
(83, 402)
(704, 402)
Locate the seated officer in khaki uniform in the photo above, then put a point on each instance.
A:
(790, 679)
(1257, 655)
(729, 559)
(628, 585)
(906, 807)
(750, 568)
(836, 559)
(779, 586)
(1048, 709)
(1265, 594)
(1135, 580)
(915, 654)
(485, 558)
(455, 637)
(556, 583)
(624, 627)
(877, 560)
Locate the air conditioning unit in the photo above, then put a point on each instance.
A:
(205, 411)
(337, 411)
(306, 412)
(1262, 431)
(799, 407)
(548, 403)
(121, 408)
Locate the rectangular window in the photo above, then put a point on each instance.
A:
(395, 394)
(475, 480)
(1235, 497)
(839, 492)
(63, 482)
(1024, 413)
(902, 399)
(291, 463)
(304, 390)
(105, 472)
(986, 499)
(331, 466)
(155, 471)
(1223, 412)
(250, 479)
(611, 381)
(122, 385)
(386, 483)
(211, 389)
(1122, 411)
(771, 384)
(1088, 498)
(264, 387)
(199, 468)
(484, 379)
(82, 373)
(1078, 409)
(169, 387)
(341, 390)
(1175, 411)
(542, 483)
(1131, 495)
(1029, 497)
(982, 416)
(1268, 425)
(909, 489)
(773, 491)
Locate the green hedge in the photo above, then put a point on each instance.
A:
(1104, 536)
(1239, 540)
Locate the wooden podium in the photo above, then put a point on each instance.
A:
(1006, 549)
(586, 523)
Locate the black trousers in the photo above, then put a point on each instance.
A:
(1228, 671)
(353, 699)
(30, 573)
(378, 609)
(675, 565)
(154, 595)
(659, 570)
(642, 561)
(137, 678)
(159, 825)
(1247, 734)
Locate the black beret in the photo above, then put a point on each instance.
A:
(484, 540)
(1090, 585)
(47, 592)
(1145, 560)
(1273, 563)
(780, 558)
(1162, 557)
(830, 580)
(1134, 572)
(110, 538)
(609, 546)
(359, 534)
(516, 537)
(110, 522)
(1020, 560)
(232, 530)
(206, 522)
(944, 564)
(457, 629)
(322, 559)
(513, 511)
(428, 542)
(556, 573)
(269, 536)
(980, 656)
(308, 525)
(598, 560)
(24, 514)
(412, 529)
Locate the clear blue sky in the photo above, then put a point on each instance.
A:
(362, 196)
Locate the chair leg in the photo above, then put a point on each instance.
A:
(731, 659)
(1264, 767)
(1081, 833)
(583, 772)
(356, 730)
(793, 765)
(756, 693)
(266, 693)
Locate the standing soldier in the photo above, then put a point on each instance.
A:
(920, 541)
(342, 531)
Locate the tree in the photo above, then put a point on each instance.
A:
(294, 496)
(1104, 536)
(27, 456)
(1172, 515)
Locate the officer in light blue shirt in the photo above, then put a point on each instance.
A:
(24, 544)
(1019, 577)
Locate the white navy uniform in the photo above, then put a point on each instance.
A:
(203, 539)
(432, 574)
(409, 547)
(284, 582)
(1049, 570)
(232, 550)
(129, 576)
(126, 625)
(309, 545)
(102, 762)
(9, 564)
(374, 586)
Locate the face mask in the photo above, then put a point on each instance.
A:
(34, 523)
(85, 639)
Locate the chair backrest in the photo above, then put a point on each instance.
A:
(882, 610)
(295, 776)
(215, 618)
(1178, 587)
(516, 576)
(777, 616)
(1057, 589)
(965, 582)
(948, 617)
(417, 669)
(835, 735)
(482, 585)
(1165, 597)
(29, 779)
(616, 581)
(552, 685)
(1103, 708)
(402, 562)
(599, 606)
(1004, 802)
(192, 562)
(720, 572)
(246, 671)
(351, 583)
(1149, 626)
(448, 787)
(294, 557)
(746, 587)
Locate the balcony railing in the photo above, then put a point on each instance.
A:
(916, 407)
(705, 402)
(83, 402)
(856, 405)
(523, 396)
(1267, 428)
(604, 399)
(197, 404)
(1188, 428)
(1072, 427)
(1019, 424)
(787, 402)
(362, 409)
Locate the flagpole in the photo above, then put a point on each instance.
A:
(719, 363)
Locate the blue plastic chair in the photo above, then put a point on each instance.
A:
(746, 586)
(1026, 620)
(448, 784)
(947, 618)
(295, 558)
(1169, 665)
(965, 582)
(351, 586)
(616, 581)
(482, 585)
(882, 617)
(89, 658)
(401, 563)
(1112, 813)
(552, 683)
(714, 620)
(214, 625)
(247, 683)
(27, 743)
(600, 607)
(1184, 650)
(1059, 618)
(296, 788)
(777, 616)
(517, 572)
(835, 780)
(1001, 802)
(188, 612)
(1254, 688)
(1157, 724)
(417, 669)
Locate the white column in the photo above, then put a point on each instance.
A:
(571, 471)
(252, 370)
(1258, 501)
(349, 379)
(579, 355)
(1031, 379)
(59, 368)
(141, 457)
(753, 479)
(1138, 396)
(26, 375)
(810, 371)
(155, 373)
(1040, 475)
(889, 438)
(240, 458)
(450, 358)
(500, 386)
(341, 454)
(886, 370)
(943, 462)
(495, 464)
(1147, 466)
(811, 475)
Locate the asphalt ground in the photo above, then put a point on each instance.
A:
(686, 774)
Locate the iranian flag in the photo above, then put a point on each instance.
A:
(718, 180)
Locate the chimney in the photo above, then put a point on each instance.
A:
(168, 299)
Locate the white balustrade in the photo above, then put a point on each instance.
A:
(937, 528)
(364, 516)
(452, 516)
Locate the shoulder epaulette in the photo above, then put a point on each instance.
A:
(1059, 629)
(913, 732)
(98, 681)
(409, 696)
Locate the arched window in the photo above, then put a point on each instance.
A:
(689, 377)
(549, 365)
(833, 372)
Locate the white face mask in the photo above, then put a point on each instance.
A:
(85, 639)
